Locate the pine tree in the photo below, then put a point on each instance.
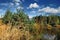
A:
(7, 17)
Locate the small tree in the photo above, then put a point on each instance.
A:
(7, 17)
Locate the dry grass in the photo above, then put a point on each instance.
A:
(15, 34)
(6, 33)
(58, 26)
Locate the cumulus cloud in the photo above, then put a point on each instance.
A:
(34, 5)
(17, 4)
(50, 10)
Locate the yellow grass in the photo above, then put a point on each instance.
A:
(15, 34)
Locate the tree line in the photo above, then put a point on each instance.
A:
(19, 18)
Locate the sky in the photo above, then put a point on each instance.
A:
(31, 7)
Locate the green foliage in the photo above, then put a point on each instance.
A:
(15, 18)
(58, 34)
(7, 17)
(52, 19)
(21, 19)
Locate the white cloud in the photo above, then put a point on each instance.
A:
(59, 9)
(6, 4)
(2, 12)
(34, 5)
(30, 16)
(17, 4)
(17, 1)
(19, 7)
(50, 10)
(1, 15)
(11, 4)
(33, 11)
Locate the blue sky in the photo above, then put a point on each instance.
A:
(31, 7)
